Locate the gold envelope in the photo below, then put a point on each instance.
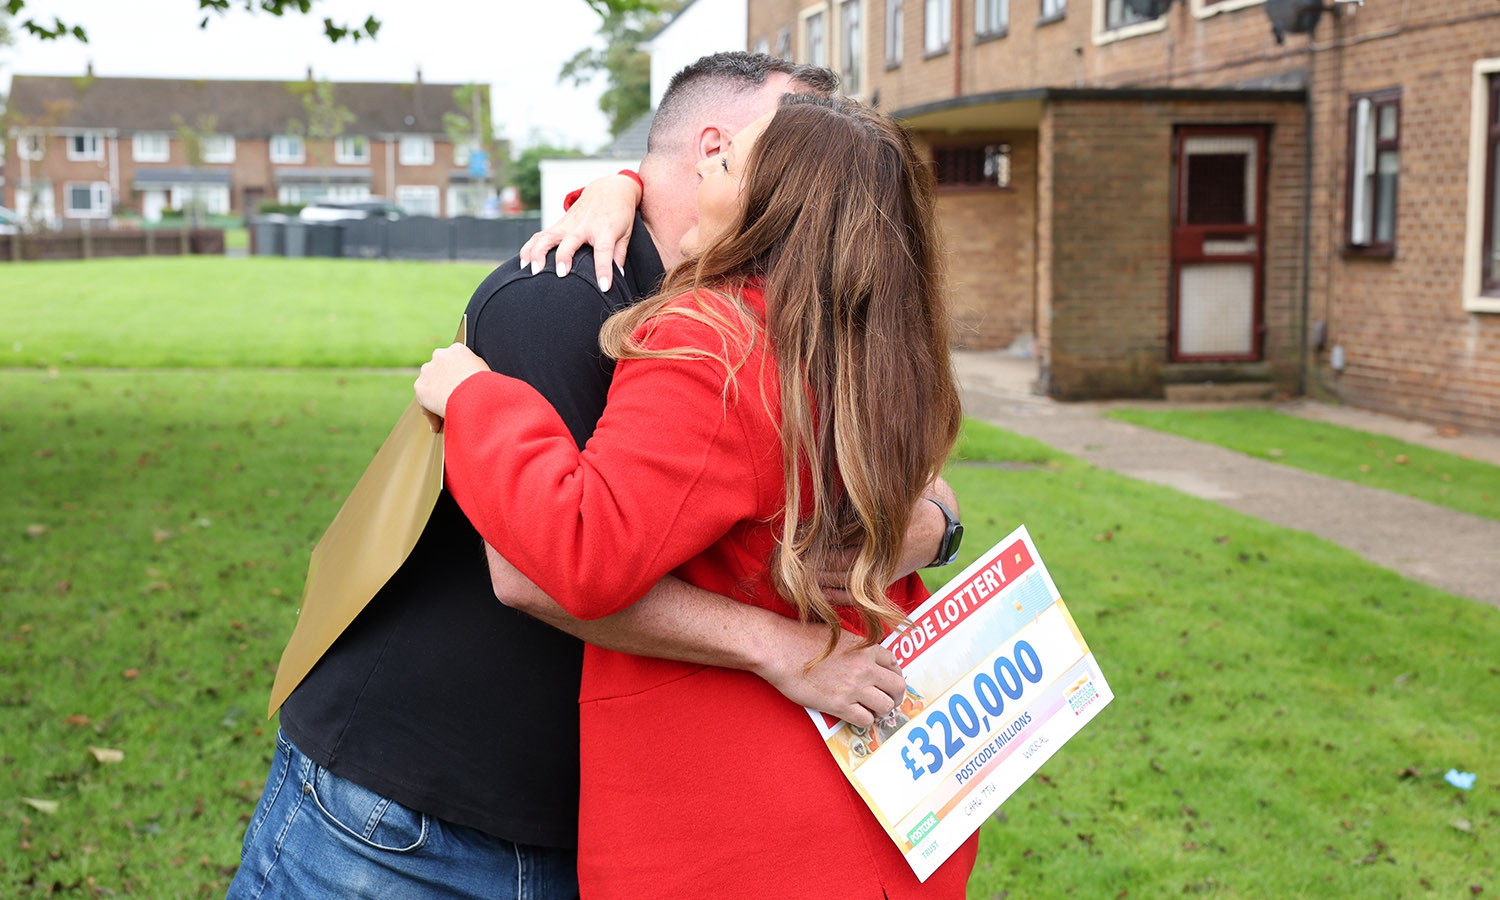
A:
(373, 533)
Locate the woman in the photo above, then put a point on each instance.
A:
(786, 394)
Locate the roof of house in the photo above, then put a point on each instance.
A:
(241, 107)
(631, 143)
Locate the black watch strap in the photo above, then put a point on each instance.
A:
(953, 536)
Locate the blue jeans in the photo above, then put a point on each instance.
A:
(316, 835)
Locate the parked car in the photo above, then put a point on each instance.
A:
(341, 210)
(10, 223)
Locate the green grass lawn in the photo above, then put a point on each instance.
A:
(1374, 460)
(1284, 711)
(212, 311)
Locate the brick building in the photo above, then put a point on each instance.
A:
(88, 149)
(1163, 192)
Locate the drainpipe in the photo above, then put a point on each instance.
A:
(1308, 120)
(956, 37)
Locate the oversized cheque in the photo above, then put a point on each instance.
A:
(998, 678)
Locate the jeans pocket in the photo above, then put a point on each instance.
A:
(375, 821)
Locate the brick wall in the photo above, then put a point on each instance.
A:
(1106, 244)
(1410, 346)
(990, 238)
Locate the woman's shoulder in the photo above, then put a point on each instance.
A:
(706, 318)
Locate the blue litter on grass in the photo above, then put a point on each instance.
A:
(1461, 780)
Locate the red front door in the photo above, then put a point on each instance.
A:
(1218, 244)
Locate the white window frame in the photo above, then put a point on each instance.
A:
(1204, 9)
(937, 18)
(784, 42)
(87, 155)
(1474, 299)
(841, 47)
(100, 206)
(31, 145)
(1053, 10)
(345, 150)
(416, 150)
(1124, 32)
(461, 151)
(999, 30)
(280, 153)
(895, 33)
(429, 194)
(804, 20)
(143, 146)
(763, 46)
(217, 148)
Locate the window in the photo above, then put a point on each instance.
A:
(288, 148)
(36, 201)
(991, 17)
(32, 146)
(416, 150)
(815, 38)
(351, 150)
(937, 26)
(461, 153)
(1374, 163)
(209, 199)
(149, 146)
(1119, 13)
(218, 148)
(784, 42)
(851, 47)
(763, 46)
(1490, 237)
(972, 166)
(87, 200)
(1052, 10)
(895, 32)
(85, 145)
(418, 199)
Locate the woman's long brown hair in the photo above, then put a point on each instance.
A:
(837, 223)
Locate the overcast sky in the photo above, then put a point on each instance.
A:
(517, 46)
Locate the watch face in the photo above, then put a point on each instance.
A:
(955, 540)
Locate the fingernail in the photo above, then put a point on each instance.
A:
(604, 284)
(562, 270)
(536, 266)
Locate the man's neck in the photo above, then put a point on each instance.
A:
(669, 252)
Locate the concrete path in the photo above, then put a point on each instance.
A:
(1454, 551)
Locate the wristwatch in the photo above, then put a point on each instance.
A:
(953, 536)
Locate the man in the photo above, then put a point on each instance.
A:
(433, 752)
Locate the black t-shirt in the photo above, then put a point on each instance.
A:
(439, 696)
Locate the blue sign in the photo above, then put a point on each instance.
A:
(479, 164)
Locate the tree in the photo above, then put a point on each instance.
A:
(193, 136)
(526, 171)
(477, 132)
(627, 68)
(335, 31)
(323, 120)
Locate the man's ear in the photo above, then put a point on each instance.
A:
(712, 141)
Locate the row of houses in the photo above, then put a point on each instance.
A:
(82, 151)
(1292, 195)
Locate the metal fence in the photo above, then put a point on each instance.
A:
(412, 237)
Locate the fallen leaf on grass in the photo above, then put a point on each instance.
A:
(107, 755)
(1276, 452)
(77, 720)
(36, 531)
(1401, 459)
(49, 807)
(131, 674)
(1463, 825)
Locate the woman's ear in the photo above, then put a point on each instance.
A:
(712, 141)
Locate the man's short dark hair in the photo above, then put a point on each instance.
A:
(730, 72)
